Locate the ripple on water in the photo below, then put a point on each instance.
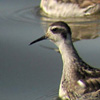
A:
(35, 14)
(50, 95)
(29, 15)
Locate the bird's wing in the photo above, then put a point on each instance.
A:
(90, 78)
(88, 71)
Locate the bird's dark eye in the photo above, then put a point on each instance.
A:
(55, 30)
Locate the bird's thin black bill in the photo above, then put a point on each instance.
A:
(40, 39)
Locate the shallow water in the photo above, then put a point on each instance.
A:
(32, 72)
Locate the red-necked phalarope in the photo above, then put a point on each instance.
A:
(79, 80)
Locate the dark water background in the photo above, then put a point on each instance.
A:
(32, 72)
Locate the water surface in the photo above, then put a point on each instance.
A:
(32, 72)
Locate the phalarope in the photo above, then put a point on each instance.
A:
(69, 8)
(79, 80)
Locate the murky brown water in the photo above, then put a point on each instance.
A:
(33, 72)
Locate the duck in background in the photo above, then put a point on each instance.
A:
(70, 8)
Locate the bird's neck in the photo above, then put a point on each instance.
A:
(70, 59)
(68, 52)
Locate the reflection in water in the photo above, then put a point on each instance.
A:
(80, 31)
(82, 27)
(85, 31)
